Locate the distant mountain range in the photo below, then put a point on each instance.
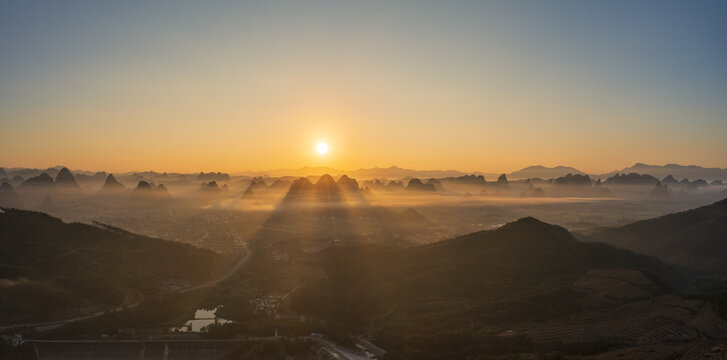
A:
(325, 190)
(691, 172)
(393, 172)
(543, 172)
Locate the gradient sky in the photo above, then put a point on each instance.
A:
(470, 85)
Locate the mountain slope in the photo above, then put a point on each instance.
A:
(50, 268)
(65, 180)
(693, 238)
(528, 279)
(112, 185)
(42, 181)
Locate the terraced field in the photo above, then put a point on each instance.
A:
(625, 307)
(700, 350)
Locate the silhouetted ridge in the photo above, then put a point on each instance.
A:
(468, 179)
(326, 185)
(66, 180)
(502, 180)
(631, 179)
(300, 186)
(539, 171)
(571, 179)
(111, 184)
(694, 238)
(669, 180)
(258, 183)
(42, 180)
(143, 186)
(678, 171)
(213, 176)
(530, 226)
(395, 186)
(326, 189)
(148, 194)
(698, 183)
(437, 184)
(348, 184)
(326, 181)
(417, 185)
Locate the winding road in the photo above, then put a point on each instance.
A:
(234, 269)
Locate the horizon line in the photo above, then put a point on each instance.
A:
(301, 168)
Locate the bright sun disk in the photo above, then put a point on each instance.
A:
(322, 148)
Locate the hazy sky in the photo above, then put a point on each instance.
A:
(471, 85)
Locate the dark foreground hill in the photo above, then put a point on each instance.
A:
(525, 287)
(694, 238)
(50, 269)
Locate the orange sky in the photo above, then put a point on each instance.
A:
(424, 85)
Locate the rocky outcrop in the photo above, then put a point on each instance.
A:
(416, 185)
(66, 181)
(502, 180)
(570, 179)
(38, 182)
(112, 185)
(631, 179)
(347, 184)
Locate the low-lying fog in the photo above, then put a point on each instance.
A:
(220, 211)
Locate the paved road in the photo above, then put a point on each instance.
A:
(234, 269)
(58, 323)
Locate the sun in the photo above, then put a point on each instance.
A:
(322, 148)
